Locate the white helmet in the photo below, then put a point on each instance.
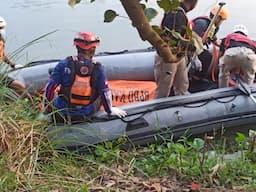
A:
(241, 28)
(2, 23)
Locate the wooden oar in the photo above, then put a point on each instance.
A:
(205, 36)
(244, 88)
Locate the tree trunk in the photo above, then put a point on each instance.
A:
(140, 21)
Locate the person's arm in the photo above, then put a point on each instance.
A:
(51, 85)
(5, 58)
(200, 26)
(105, 93)
(215, 40)
(222, 47)
(100, 84)
(8, 61)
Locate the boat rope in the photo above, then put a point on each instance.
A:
(206, 102)
(232, 99)
(191, 105)
(139, 117)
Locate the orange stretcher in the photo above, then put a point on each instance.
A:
(128, 92)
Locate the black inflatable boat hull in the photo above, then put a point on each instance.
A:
(164, 118)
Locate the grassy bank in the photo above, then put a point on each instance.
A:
(28, 161)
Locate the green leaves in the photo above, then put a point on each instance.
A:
(240, 137)
(150, 13)
(109, 16)
(168, 5)
(72, 3)
(157, 29)
(198, 144)
(164, 4)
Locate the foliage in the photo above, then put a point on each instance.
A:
(159, 38)
(110, 15)
(28, 161)
(168, 5)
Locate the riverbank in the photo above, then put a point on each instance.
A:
(29, 162)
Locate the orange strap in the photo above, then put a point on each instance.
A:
(215, 56)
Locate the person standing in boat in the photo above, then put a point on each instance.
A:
(237, 56)
(16, 85)
(168, 75)
(82, 82)
(200, 26)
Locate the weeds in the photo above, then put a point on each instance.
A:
(29, 161)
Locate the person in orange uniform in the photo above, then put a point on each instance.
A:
(83, 84)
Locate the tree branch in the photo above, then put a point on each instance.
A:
(140, 22)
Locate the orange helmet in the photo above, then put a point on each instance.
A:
(223, 12)
(86, 40)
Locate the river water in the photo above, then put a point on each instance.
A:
(29, 19)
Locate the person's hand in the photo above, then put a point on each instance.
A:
(17, 66)
(118, 112)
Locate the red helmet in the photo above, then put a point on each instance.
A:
(86, 40)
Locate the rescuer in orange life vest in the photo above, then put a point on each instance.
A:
(237, 56)
(83, 84)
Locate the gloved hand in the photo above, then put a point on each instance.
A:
(18, 66)
(118, 112)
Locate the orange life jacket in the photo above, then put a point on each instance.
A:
(2, 54)
(80, 91)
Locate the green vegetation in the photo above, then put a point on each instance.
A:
(28, 161)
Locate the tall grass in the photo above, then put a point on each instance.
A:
(28, 161)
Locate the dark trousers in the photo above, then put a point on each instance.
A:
(60, 118)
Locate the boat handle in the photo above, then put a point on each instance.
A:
(178, 115)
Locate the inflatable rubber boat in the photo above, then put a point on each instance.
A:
(130, 75)
(162, 119)
(148, 120)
